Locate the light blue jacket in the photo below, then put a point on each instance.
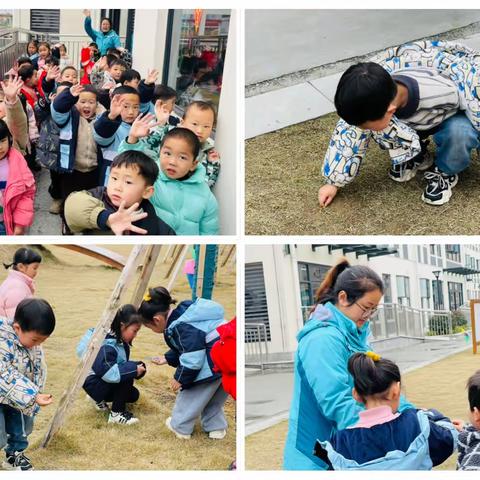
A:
(322, 397)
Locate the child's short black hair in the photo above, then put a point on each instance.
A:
(65, 84)
(117, 61)
(147, 168)
(68, 67)
(473, 386)
(187, 135)
(25, 256)
(23, 61)
(129, 75)
(26, 71)
(126, 316)
(35, 314)
(126, 90)
(364, 93)
(89, 89)
(52, 60)
(33, 41)
(110, 58)
(201, 106)
(159, 301)
(164, 93)
(5, 132)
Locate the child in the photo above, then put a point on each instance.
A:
(65, 60)
(130, 78)
(19, 283)
(44, 51)
(164, 97)
(181, 196)
(87, 59)
(17, 187)
(469, 435)
(190, 332)
(113, 373)
(383, 438)
(32, 51)
(114, 125)
(122, 207)
(73, 110)
(113, 73)
(69, 74)
(23, 377)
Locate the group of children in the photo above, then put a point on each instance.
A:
(385, 439)
(120, 159)
(195, 332)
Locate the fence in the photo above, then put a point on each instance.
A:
(13, 44)
(256, 345)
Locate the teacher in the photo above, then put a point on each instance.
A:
(105, 38)
(322, 399)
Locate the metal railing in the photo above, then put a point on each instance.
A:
(13, 44)
(256, 345)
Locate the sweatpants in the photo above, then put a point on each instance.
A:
(14, 429)
(206, 401)
(118, 393)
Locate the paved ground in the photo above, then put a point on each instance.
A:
(268, 396)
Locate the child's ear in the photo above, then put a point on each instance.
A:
(392, 108)
(476, 415)
(396, 390)
(194, 165)
(17, 328)
(148, 192)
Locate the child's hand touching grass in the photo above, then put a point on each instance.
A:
(326, 194)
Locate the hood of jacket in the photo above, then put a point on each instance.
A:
(329, 315)
(204, 314)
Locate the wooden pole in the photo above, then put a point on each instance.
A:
(151, 257)
(178, 253)
(200, 270)
(101, 330)
(176, 271)
(229, 254)
(167, 253)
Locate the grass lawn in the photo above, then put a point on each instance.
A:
(78, 288)
(440, 385)
(283, 175)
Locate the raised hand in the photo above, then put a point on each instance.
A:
(151, 77)
(12, 88)
(122, 220)
(102, 63)
(77, 89)
(116, 106)
(53, 73)
(161, 112)
(86, 12)
(141, 127)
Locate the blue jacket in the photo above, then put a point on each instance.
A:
(112, 365)
(191, 332)
(104, 41)
(416, 440)
(322, 401)
(67, 118)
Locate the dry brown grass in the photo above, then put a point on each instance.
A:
(283, 176)
(78, 288)
(440, 385)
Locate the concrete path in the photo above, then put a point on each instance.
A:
(268, 396)
(298, 103)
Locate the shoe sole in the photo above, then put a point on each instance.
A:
(112, 422)
(444, 199)
(217, 438)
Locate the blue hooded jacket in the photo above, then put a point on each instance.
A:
(322, 401)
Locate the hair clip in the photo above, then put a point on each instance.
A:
(147, 297)
(374, 356)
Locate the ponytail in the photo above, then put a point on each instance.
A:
(324, 292)
(26, 256)
(156, 301)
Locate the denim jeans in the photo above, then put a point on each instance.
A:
(455, 139)
(14, 429)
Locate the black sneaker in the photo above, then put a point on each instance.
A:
(404, 172)
(17, 461)
(439, 187)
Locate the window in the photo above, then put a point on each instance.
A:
(310, 276)
(453, 253)
(425, 293)
(405, 251)
(403, 290)
(437, 291)
(387, 284)
(455, 295)
(45, 20)
(256, 308)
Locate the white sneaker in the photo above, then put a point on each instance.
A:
(122, 418)
(168, 422)
(100, 406)
(217, 434)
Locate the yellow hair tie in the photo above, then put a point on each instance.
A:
(147, 297)
(374, 356)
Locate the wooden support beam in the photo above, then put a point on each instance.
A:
(172, 276)
(151, 257)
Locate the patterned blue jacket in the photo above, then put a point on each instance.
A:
(348, 144)
(22, 371)
(191, 332)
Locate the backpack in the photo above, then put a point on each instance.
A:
(48, 145)
(84, 342)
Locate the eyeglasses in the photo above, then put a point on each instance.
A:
(367, 312)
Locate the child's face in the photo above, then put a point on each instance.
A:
(3, 147)
(158, 324)
(62, 50)
(43, 51)
(176, 158)
(33, 80)
(32, 48)
(69, 75)
(200, 122)
(129, 333)
(131, 107)
(475, 418)
(382, 123)
(125, 184)
(132, 83)
(168, 104)
(87, 104)
(30, 270)
(29, 339)
(116, 71)
(93, 51)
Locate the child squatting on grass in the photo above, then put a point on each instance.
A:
(113, 373)
(383, 438)
(469, 434)
(190, 331)
(123, 206)
(22, 377)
